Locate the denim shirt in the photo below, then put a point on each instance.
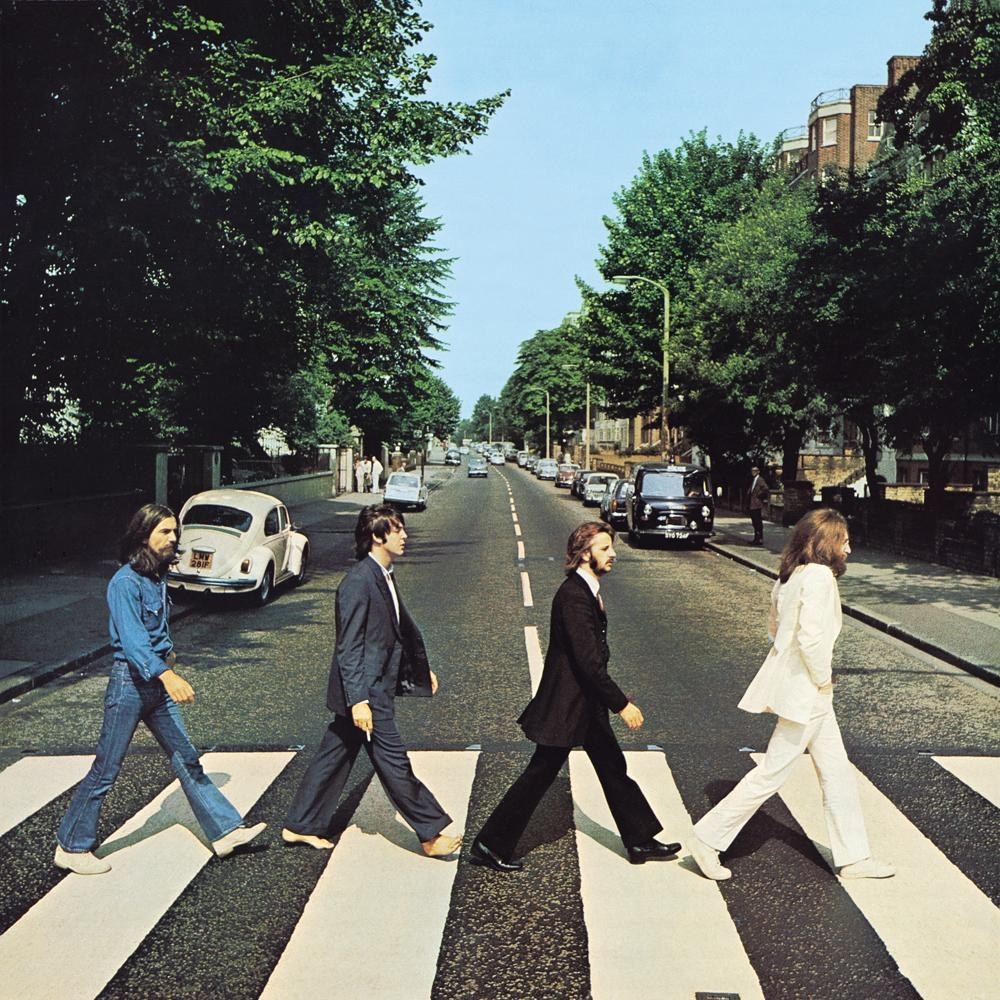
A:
(140, 633)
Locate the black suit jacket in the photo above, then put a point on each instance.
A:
(374, 651)
(575, 691)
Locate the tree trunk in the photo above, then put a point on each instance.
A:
(791, 446)
(870, 444)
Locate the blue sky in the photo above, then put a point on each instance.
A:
(595, 83)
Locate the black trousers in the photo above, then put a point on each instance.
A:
(315, 802)
(757, 520)
(632, 814)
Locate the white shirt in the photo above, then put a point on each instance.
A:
(387, 575)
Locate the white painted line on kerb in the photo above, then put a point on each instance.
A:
(520, 551)
(940, 928)
(657, 931)
(981, 774)
(526, 590)
(33, 782)
(75, 938)
(535, 660)
(378, 884)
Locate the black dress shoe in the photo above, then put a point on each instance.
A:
(482, 855)
(652, 850)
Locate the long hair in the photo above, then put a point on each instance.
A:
(818, 538)
(375, 521)
(581, 540)
(133, 548)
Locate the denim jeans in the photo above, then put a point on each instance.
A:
(130, 700)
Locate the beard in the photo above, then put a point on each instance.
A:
(596, 569)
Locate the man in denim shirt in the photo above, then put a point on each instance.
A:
(144, 687)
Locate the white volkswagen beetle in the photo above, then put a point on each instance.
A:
(237, 542)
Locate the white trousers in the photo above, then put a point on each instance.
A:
(841, 805)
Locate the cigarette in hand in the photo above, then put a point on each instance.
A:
(368, 735)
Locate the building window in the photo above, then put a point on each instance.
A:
(874, 126)
(829, 131)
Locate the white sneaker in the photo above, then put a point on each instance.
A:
(707, 859)
(225, 846)
(81, 862)
(868, 868)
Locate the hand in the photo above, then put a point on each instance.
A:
(631, 716)
(177, 688)
(362, 716)
(434, 683)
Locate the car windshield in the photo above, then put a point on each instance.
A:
(601, 481)
(675, 484)
(214, 515)
(408, 482)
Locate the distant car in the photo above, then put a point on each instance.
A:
(547, 468)
(522, 458)
(496, 458)
(478, 467)
(464, 450)
(614, 503)
(452, 457)
(237, 542)
(565, 473)
(595, 485)
(531, 461)
(405, 490)
(576, 487)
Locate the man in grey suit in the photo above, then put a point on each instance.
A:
(379, 653)
(571, 709)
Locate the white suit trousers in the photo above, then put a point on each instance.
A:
(841, 805)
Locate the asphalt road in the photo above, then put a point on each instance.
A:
(687, 631)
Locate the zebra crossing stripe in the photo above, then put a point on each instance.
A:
(981, 774)
(75, 938)
(33, 782)
(378, 885)
(941, 929)
(657, 931)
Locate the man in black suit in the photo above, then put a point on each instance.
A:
(571, 709)
(379, 653)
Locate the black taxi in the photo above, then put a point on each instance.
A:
(671, 501)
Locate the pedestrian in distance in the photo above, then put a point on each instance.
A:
(379, 654)
(795, 683)
(759, 495)
(366, 473)
(144, 687)
(571, 709)
(377, 470)
(359, 474)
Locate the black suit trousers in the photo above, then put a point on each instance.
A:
(315, 803)
(632, 814)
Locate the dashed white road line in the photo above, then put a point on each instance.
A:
(526, 590)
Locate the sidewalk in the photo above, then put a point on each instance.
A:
(954, 616)
(54, 619)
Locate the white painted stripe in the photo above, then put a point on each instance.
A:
(656, 931)
(981, 774)
(526, 590)
(517, 530)
(73, 941)
(535, 659)
(941, 929)
(32, 782)
(520, 551)
(514, 517)
(374, 924)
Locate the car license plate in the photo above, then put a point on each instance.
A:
(201, 560)
(676, 533)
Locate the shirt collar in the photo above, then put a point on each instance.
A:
(589, 581)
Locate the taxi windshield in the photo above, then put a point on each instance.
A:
(661, 485)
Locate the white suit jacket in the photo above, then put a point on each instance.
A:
(807, 609)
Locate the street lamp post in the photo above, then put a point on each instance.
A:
(624, 279)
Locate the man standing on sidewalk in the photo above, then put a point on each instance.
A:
(759, 494)
(143, 687)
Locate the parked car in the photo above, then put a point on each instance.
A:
(594, 486)
(547, 468)
(478, 467)
(496, 458)
(237, 542)
(404, 490)
(522, 458)
(671, 501)
(565, 473)
(531, 462)
(576, 487)
(452, 457)
(614, 503)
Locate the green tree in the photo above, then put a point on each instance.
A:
(433, 410)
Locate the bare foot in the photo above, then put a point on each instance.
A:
(441, 846)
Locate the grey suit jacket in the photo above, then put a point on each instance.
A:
(374, 651)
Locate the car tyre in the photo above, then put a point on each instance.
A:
(263, 593)
(300, 577)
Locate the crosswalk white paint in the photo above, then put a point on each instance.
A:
(656, 931)
(92, 924)
(981, 774)
(536, 662)
(33, 782)
(941, 929)
(378, 882)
